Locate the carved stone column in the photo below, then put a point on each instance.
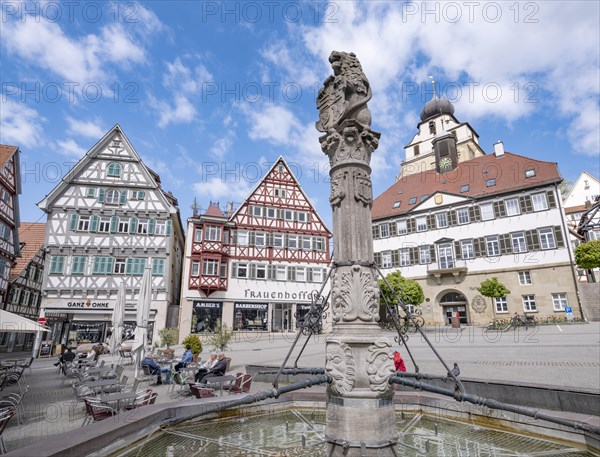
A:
(360, 411)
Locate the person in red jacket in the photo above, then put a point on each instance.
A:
(398, 362)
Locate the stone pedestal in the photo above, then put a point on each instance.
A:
(360, 412)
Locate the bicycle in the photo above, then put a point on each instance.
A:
(524, 320)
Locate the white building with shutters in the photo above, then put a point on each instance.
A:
(107, 219)
(464, 220)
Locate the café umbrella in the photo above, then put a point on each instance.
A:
(10, 322)
(118, 318)
(143, 315)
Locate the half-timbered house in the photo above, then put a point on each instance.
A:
(25, 283)
(10, 188)
(460, 222)
(255, 268)
(107, 219)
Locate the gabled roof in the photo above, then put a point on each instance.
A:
(214, 210)
(32, 236)
(265, 177)
(6, 153)
(577, 187)
(508, 170)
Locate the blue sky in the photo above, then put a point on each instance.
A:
(211, 93)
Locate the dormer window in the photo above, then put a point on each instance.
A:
(432, 127)
(464, 188)
(529, 173)
(397, 204)
(114, 170)
(412, 201)
(490, 182)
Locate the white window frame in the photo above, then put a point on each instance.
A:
(404, 257)
(261, 271)
(386, 259)
(271, 212)
(487, 211)
(467, 246)
(402, 228)
(319, 243)
(104, 225)
(501, 304)
(160, 228)
(210, 267)
(257, 211)
(120, 266)
(317, 275)
(294, 244)
(445, 261)
(142, 226)
(547, 240)
(279, 192)
(462, 216)
(513, 207)
(421, 224)
(123, 226)
(300, 274)
(278, 240)
(242, 237)
(212, 233)
(540, 201)
(83, 224)
(441, 220)
(288, 215)
(525, 278)
(242, 267)
(197, 235)
(492, 246)
(260, 239)
(111, 197)
(560, 301)
(302, 217)
(424, 255)
(280, 273)
(519, 239)
(529, 304)
(384, 230)
(306, 243)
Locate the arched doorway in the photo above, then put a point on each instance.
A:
(453, 302)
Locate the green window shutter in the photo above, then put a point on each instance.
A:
(78, 266)
(457, 250)
(525, 204)
(551, 199)
(251, 238)
(169, 228)
(431, 225)
(91, 192)
(375, 232)
(94, 220)
(414, 255)
(101, 195)
(499, 209)
(128, 266)
(393, 228)
(151, 226)
(309, 275)
(269, 239)
(141, 195)
(396, 258)
(452, 218)
(252, 271)
(234, 266)
(432, 252)
(270, 272)
(378, 261)
(291, 273)
(74, 221)
(114, 224)
(96, 265)
(123, 197)
(110, 261)
(505, 244)
(133, 225)
(158, 267)
(558, 235)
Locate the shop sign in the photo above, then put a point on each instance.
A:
(87, 304)
(207, 304)
(302, 295)
(251, 305)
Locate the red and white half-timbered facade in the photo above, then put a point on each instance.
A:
(255, 268)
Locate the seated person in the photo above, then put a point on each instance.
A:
(186, 359)
(155, 367)
(67, 357)
(218, 369)
(211, 362)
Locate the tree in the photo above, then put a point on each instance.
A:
(221, 336)
(194, 342)
(407, 289)
(493, 288)
(587, 255)
(168, 336)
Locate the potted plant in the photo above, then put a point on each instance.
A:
(195, 345)
(168, 336)
(220, 337)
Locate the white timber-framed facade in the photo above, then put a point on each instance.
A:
(107, 219)
(461, 222)
(257, 268)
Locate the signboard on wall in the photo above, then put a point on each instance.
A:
(45, 349)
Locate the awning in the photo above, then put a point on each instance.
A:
(10, 322)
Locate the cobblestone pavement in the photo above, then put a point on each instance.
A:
(567, 355)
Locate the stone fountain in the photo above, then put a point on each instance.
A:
(360, 417)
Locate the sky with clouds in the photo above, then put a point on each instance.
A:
(211, 93)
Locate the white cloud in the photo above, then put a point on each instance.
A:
(180, 110)
(222, 145)
(70, 148)
(218, 190)
(19, 124)
(89, 129)
(181, 77)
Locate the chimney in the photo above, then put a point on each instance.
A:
(499, 148)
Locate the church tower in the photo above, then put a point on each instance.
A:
(441, 141)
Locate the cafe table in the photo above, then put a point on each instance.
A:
(118, 397)
(101, 383)
(221, 380)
